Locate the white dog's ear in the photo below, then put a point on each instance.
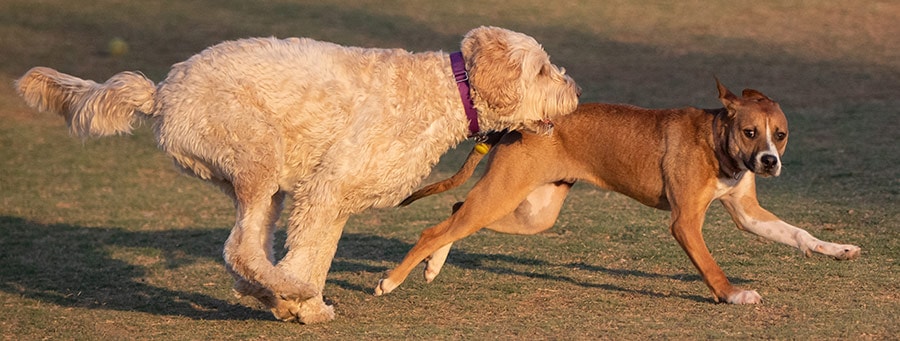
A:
(494, 62)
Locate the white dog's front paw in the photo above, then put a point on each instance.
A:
(315, 311)
(311, 311)
(385, 286)
(744, 297)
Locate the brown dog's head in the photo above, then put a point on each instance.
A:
(514, 85)
(756, 131)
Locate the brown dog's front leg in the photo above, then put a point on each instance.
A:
(686, 228)
(744, 208)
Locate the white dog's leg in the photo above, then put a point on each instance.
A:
(313, 232)
(248, 250)
(242, 286)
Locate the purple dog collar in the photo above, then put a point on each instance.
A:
(462, 81)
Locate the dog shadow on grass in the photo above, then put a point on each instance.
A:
(354, 249)
(84, 267)
(76, 266)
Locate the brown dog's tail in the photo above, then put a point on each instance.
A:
(465, 172)
(90, 109)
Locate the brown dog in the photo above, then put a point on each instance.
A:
(676, 159)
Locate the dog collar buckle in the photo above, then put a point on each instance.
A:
(461, 75)
(458, 64)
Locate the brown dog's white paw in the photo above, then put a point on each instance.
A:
(431, 273)
(837, 251)
(744, 297)
(847, 252)
(385, 286)
(434, 264)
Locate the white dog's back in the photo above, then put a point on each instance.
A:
(305, 99)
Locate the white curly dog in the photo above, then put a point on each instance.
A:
(339, 129)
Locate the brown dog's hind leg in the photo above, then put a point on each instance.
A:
(535, 214)
(483, 206)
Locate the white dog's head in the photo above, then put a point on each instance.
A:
(514, 85)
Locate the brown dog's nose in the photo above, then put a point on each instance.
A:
(769, 161)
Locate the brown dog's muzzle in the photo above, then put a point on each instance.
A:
(765, 164)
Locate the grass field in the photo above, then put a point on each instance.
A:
(105, 240)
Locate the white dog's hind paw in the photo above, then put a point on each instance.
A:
(744, 297)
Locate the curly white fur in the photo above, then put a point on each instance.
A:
(340, 129)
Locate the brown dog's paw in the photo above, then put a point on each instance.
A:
(385, 286)
(848, 252)
(744, 297)
(837, 251)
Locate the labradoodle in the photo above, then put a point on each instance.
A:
(339, 129)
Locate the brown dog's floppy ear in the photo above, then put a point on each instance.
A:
(726, 96)
(495, 69)
(754, 95)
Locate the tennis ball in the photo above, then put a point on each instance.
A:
(117, 47)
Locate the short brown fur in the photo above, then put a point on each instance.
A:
(673, 159)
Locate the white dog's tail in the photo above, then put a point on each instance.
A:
(90, 109)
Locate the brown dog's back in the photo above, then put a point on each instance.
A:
(608, 145)
(615, 144)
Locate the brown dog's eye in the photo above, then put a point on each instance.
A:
(750, 133)
(780, 135)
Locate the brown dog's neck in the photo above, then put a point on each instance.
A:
(721, 124)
